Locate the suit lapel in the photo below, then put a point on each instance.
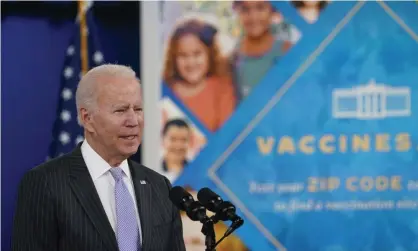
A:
(83, 187)
(143, 191)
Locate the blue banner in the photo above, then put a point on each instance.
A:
(321, 154)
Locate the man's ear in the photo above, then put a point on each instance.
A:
(86, 119)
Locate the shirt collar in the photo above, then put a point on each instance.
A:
(96, 165)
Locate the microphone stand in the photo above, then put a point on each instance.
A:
(209, 231)
(234, 226)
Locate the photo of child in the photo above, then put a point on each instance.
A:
(197, 73)
(217, 52)
(310, 10)
(176, 140)
(265, 38)
(181, 140)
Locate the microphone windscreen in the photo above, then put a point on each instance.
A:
(205, 196)
(178, 196)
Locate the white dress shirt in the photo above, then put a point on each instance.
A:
(105, 183)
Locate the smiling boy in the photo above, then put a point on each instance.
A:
(259, 48)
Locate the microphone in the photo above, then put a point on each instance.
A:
(224, 210)
(185, 202)
(196, 212)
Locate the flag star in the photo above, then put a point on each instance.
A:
(66, 94)
(70, 50)
(64, 138)
(65, 116)
(98, 57)
(79, 139)
(68, 72)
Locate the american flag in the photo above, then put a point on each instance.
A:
(67, 132)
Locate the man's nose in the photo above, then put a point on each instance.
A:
(132, 118)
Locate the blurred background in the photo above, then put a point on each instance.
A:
(301, 113)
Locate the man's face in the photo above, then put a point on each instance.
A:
(176, 142)
(255, 17)
(118, 119)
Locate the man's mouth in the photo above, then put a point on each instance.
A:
(129, 137)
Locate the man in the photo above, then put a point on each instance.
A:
(94, 198)
(176, 141)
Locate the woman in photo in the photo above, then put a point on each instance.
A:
(260, 45)
(197, 73)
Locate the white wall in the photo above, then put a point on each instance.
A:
(151, 55)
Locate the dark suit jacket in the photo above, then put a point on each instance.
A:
(58, 208)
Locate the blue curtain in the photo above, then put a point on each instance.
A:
(33, 49)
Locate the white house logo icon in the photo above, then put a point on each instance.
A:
(371, 101)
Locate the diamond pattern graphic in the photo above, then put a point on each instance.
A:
(279, 141)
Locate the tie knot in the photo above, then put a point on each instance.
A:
(116, 172)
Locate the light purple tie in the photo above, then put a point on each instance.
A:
(127, 231)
